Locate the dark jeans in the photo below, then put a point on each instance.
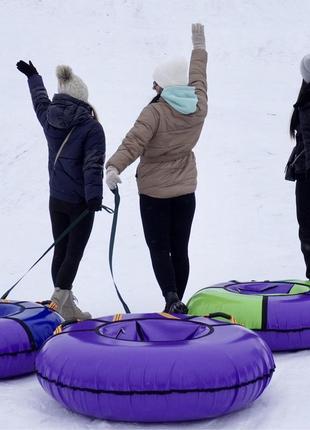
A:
(303, 217)
(167, 226)
(69, 251)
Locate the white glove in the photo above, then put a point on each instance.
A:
(198, 36)
(112, 177)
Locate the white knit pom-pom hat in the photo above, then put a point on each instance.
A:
(173, 72)
(305, 68)
(71, 84)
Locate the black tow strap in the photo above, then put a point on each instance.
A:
(63, 234)
(111, 246)
(67, 230)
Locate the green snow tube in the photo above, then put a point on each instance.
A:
(278, 311)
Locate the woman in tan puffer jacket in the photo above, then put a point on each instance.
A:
(163, 137)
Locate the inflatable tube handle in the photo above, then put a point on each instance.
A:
(222, 315)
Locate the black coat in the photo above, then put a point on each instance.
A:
(77, 174)
(301, 152)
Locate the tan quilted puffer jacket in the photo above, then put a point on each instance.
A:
(164, 138)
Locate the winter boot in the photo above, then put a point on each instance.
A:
(174, 304)
(71, 311)
(58, 300)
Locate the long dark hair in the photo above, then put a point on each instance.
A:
(93, 112)
(155, 99)
(294, 118)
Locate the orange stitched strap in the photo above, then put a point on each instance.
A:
(53, 306)
(117, 317)
(166, 315)
(58, 329)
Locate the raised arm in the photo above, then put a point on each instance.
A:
(198, 67)
(38, 92)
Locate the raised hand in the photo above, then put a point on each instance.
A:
(198, 36)
(27, 69)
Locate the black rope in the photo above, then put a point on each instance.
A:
(111, 246)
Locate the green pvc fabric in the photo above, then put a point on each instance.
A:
(246, 309)
(299, 289)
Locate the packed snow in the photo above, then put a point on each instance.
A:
(245, 225)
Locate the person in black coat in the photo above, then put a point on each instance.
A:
(76, 154)
(298, 166)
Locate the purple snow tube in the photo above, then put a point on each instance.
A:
(154, 367)
(24, 326)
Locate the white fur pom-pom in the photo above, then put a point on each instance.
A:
(64, 73)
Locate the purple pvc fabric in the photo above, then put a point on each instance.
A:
(154, 367)
(285, 316)
(24, 326)
(265, 287)
(287, 322)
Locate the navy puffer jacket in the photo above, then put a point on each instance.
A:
(77, 174)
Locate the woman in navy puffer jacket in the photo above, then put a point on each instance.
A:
(76, 147)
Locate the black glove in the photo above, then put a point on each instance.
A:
(95, 204)
(26, 69)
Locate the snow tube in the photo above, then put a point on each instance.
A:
(154, 367)
(24, 326)
(278, 311)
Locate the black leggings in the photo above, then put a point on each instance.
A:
(303, 217)
(69, 251)
(167, 226)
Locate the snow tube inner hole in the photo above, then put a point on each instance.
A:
(8, 309)
(269, 288)
(150, 330)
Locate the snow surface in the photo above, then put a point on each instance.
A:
(245, 226)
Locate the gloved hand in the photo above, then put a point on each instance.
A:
(26, 69)
(198, 36)
(112, 177)
(95, 204)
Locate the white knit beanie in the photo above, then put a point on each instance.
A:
(173, 72)
(305, 68)
(71, 84)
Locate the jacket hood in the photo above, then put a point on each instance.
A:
(181, 97)
(65, 111)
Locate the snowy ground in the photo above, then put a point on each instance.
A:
(245, 225)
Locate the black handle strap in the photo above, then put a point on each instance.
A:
(222, 315)
(111, 246)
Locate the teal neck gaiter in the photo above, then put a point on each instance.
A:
(181, 97)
